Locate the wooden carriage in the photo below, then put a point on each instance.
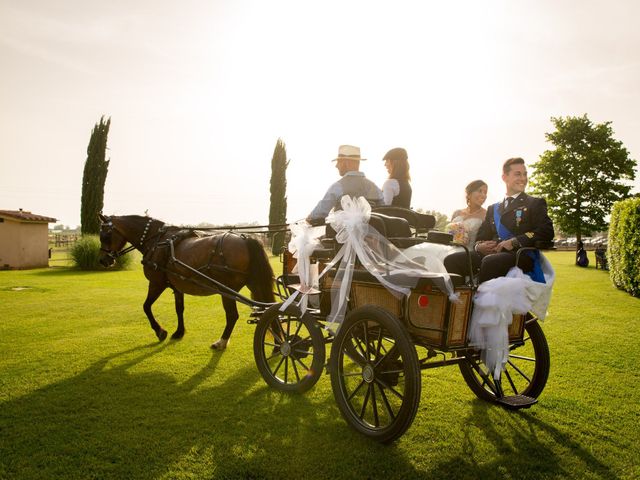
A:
(384, 342)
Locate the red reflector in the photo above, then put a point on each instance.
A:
(423, 301)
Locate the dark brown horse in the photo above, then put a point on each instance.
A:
(230, 259)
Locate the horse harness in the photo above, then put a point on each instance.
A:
(131, 247)
(161, 255)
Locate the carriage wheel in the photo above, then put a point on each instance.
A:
(525, 373)
(375, 374)
(289, 349)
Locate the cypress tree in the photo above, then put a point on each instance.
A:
(94, 177)
(278, 207)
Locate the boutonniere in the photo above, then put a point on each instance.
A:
(519, 217)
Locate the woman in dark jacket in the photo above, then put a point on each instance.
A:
(397, 188)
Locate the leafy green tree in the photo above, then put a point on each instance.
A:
(278, 207)
(441, 218)
(584, 175)
(94, 177)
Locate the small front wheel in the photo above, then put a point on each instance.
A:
(375, 374)
(289, 349)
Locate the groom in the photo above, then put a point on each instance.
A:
(517, 221)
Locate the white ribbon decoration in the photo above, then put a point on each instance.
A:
(304, 240)
(495, 303)
(383, 260)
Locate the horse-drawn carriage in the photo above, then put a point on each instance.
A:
(377, 353)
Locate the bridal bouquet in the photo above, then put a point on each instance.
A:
(459, 232)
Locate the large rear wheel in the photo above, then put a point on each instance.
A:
(375, 374)
(289, 349)
(525, 373)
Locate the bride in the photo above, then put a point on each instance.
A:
(465, 223)
(464, 227)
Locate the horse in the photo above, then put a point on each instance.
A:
(232, 260)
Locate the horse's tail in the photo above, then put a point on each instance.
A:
(260, 280)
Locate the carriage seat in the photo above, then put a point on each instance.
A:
(393, 228)
(396, 229)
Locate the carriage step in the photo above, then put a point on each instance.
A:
(516, 402)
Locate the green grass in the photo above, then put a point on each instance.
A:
(87, 392)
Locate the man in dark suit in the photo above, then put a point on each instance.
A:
(518, 221)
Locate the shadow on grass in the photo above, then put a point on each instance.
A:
(520, 449)
(111, 421)
(58, 271)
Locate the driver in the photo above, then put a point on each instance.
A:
(352, 183)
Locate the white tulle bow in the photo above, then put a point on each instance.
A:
(495, 303)
(375, 253)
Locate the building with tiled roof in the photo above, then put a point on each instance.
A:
(24, 239)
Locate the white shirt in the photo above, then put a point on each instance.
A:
(335, 192)
(504, 203)
(390, 189)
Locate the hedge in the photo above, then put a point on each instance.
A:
(623, 252)
(85, 254)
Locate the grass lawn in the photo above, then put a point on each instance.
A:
(86, 391)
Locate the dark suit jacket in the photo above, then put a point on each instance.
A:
(526, 218)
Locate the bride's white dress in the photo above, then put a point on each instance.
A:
(432, 255)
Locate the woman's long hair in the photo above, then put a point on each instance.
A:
(399, 164)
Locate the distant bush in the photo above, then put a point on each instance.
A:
(624, 245)
(85, 254)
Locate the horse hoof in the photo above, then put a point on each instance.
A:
(162, 335)
(177, 335)
(220, 344)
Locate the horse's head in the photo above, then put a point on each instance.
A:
(111, 242)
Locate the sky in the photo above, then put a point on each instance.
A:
(199, 92)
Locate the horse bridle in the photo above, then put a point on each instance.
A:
(131, 247)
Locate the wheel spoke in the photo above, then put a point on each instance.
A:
(486, 380)
(276, 336)
(379, 340)
(513, 387)
(353, 394)
(286, 369)
(275, 371)
(303, 352)
(274, 355)
(384, 357)
(519, 371)
(386, 403)
(364, 404)
(295, 369)
(358, 346)
(300, 340)
(374, 405)
(520, 357)
(295, 359)
(298, 328)
(366, 340)
(390, 388)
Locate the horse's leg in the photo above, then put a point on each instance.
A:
(179, 297)
(155, 290)
(231, 311)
